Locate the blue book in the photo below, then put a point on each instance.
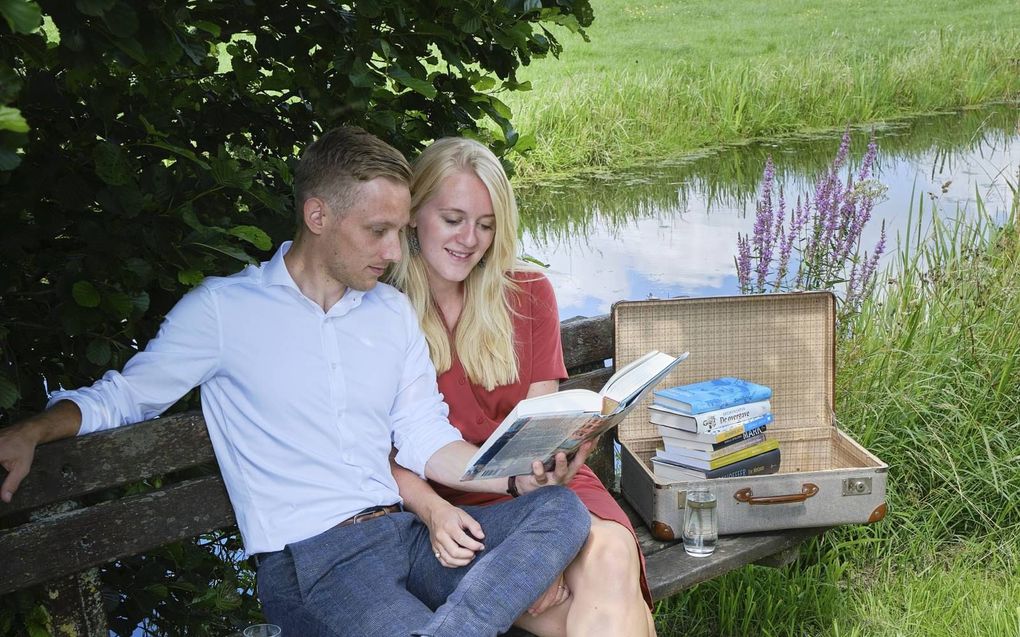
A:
(708, 395)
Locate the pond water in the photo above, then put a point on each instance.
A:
(671, 230)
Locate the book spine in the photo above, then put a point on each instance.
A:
(732, 416)
(761, 464)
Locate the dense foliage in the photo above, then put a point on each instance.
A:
(144, 145)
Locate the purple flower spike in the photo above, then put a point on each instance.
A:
(820, 235)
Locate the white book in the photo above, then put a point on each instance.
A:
(541, 427)
(703, 423)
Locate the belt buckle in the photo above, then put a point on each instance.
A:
(367, 515)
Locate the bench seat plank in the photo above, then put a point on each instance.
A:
(81, 538)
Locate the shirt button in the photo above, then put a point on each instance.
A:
(479, 421)
(332, 365)
(461, 381)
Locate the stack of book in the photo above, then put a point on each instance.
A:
(714, 429)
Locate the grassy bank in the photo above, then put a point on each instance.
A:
(929, 381)
(663, 78)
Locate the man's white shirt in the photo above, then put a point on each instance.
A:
(302, 405)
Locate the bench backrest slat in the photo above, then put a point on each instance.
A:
(74, 467)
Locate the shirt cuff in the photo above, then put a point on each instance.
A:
(414, 456)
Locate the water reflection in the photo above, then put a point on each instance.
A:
(671, 230)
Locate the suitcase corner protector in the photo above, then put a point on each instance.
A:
(878, 513)
(662, 531)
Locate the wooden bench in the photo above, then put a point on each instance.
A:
(47, 539)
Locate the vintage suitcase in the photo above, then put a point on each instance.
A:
(784, 341)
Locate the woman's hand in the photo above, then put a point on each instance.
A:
(454, 535)
(555, 595)
(563, 472)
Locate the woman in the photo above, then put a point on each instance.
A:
(493, 334)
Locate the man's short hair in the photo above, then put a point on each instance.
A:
(341, 159)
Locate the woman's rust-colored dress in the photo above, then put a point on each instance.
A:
(477, 412)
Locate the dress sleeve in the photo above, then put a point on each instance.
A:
(547, 350)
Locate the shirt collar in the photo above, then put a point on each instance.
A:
(275, 272)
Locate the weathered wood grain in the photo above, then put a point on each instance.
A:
(67, 543)
(586, 342)
(70, 468)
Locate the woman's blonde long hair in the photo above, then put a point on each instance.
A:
(484, 334)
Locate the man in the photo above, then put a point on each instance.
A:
(310, 374)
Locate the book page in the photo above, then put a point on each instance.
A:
(530, 438)
(629, 383)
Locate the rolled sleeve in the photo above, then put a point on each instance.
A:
(183, 355)
(420, 420)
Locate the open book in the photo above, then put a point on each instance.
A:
(539, 428)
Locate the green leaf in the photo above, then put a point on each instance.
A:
(85, 294)
(123, 22)
(419, 86)
(183, 152)
(9, 160)
(98, 351)
(23, 16)
(253, 235)
(484, 83)
(8, 393)
(384, 119)
(525, 143)
(208, 27)
(141, 302)
(94, 7)
(229, 251)
(118, 303)
(468, 22)
(11, 119)
(111, 164)
(361, 76)
(191, 277)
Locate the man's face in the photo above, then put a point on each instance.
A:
(361, 242)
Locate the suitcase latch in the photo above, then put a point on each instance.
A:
(857, 486)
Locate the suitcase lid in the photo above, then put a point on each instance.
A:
(784, 341)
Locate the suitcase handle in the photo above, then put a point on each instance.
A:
(806, 491)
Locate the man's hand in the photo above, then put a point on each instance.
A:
(18, 442)
(454, 534)
(17, 450)
(563, 472)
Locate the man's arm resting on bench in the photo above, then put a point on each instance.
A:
(18, 442)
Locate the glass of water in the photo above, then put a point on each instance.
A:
(262, 630)
(701, 525)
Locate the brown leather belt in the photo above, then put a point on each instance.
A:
(367, 514)
(371, 512)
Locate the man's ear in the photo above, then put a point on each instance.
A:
(315, 212)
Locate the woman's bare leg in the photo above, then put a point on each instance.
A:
(605, 587)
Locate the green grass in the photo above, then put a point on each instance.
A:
(929, 381)
(658, 80)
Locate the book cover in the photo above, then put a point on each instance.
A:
(670, 450)
(746, 429)
(762, 464)
(539, 428)
(717, 393)
(722, 461)
(676, 441)
(659, 414)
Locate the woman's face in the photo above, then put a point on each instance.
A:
(455, 227)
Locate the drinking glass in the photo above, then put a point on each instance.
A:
(701, 526)
(262, 630)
